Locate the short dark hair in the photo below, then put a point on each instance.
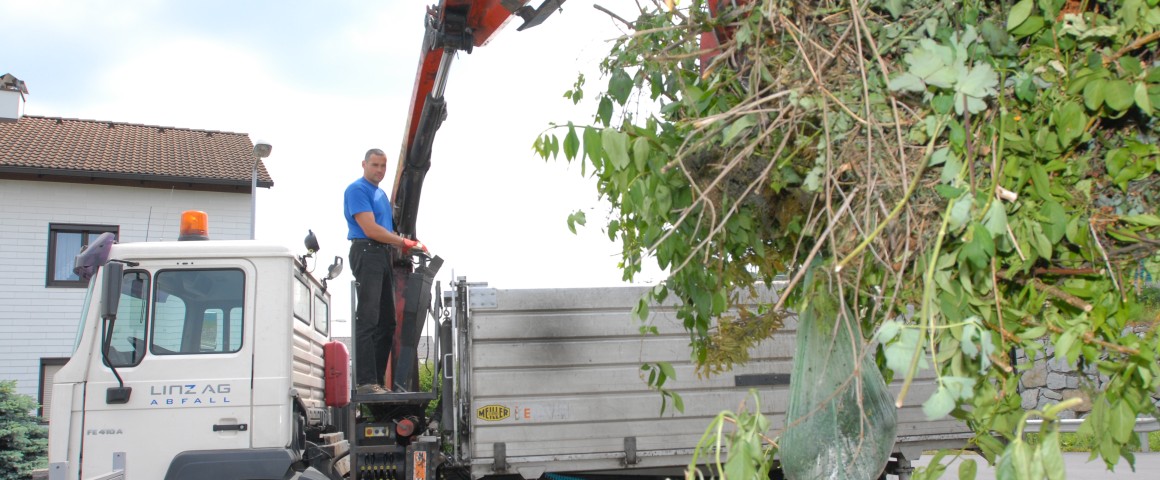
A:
(373, 151)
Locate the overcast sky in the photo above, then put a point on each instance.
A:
(323, 82)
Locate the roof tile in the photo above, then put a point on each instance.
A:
(72, 147)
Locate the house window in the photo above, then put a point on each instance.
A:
(64, 243)
(48, 368)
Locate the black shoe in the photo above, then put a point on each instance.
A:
(370, 389)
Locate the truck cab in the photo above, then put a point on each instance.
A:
(208, 355)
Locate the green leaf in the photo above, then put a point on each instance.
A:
(620, 86)
(1040, 181)
(640, 311)
(664, 199)
(980, 249)
(593, 146)
(1005, 466)
(895, 8)
(1025, 89)
(888, 331)
(667, 369)
(979, 82)
(1119, 95)
(576, 218)
(1019, 14)
(1051, 456)
(899, 353)
(1093, 93)
(996, 219)
(1065, 342)
(1123, 421)
(949, 193)
(907, 82)
(956, 133)
(960, 212)
(1070, 122)
(737, 127)
(943, 103)
(604, 111)
(1032, 25)
(939, 404)
(640, 151)
(1034, 332)
(1024, 457)
(1056, 225)
(931, 62)
(616, 147)
(968, 469)
(1142, 101)
(939, 157)
(1147, 219)
(571, 142)
(953, 166)
(1131, 65)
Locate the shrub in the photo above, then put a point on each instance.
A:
(23, 441)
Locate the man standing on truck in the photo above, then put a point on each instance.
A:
(371, 231)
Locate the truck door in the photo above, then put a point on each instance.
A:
(183, 342)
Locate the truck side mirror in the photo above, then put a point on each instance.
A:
(111, 278)
(111, 289)
(94, 256)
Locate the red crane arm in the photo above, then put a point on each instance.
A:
(453, 25)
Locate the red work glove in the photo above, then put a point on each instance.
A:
(409, 245)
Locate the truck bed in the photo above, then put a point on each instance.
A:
(557, 385)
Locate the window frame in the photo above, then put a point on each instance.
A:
(46, 362)
(301, 286)
(325, 322)
(88, 232)
(161, 350)
(146, 317)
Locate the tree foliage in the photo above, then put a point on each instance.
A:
(23, 441)
(975, 176)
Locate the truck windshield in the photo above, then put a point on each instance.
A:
(198, 312)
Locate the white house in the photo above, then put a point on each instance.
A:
(64, 181)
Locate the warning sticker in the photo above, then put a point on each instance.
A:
(420, 466)
(493, 413)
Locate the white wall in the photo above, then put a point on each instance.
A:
(36, 321)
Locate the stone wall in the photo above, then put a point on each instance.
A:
(1052, 380)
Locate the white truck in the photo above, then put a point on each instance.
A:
(209, 359)
(194, 357)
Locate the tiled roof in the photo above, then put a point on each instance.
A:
(93, 149)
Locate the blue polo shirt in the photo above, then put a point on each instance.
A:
(363, 196)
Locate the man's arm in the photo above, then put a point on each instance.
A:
(376, 232)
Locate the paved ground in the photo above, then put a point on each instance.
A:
(1147, 466)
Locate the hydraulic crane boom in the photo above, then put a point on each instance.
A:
(451, 26)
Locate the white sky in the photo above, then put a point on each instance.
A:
(323, 82)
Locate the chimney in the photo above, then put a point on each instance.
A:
(12, 92)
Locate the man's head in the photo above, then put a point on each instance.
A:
(374, 166)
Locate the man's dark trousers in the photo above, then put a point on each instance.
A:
(374, 323)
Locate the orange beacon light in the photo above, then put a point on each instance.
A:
(194, 225)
